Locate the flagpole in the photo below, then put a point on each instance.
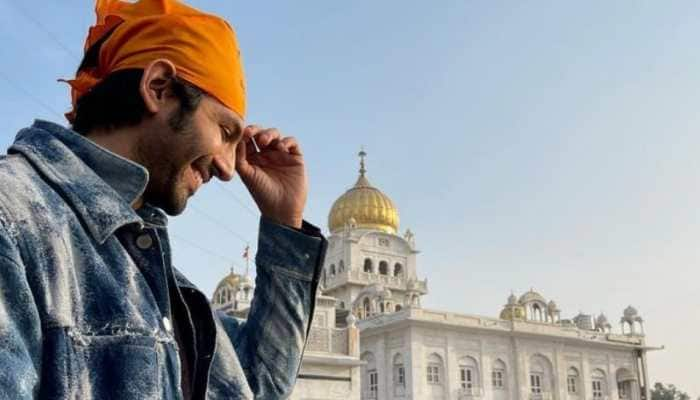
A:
(246, 255)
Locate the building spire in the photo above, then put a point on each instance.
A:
(362, 155)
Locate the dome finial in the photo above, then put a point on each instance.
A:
(362, 155)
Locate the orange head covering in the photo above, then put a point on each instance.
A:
(202, 46)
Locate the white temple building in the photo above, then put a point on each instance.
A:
(372, 339)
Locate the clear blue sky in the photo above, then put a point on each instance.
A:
(540, 144)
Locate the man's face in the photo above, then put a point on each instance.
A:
(180, 160)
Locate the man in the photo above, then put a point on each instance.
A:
(90, 305)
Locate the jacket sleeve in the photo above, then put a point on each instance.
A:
(20, 327)
(270, 343)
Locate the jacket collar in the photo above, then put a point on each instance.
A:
(98, 184)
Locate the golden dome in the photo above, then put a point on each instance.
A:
(513, 312)
(364, 206)
(232, 280)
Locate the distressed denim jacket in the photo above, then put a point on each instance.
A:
(88, 295)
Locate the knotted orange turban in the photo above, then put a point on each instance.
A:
(202, 46)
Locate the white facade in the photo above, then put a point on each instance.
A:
(423, 354)
(530, 352)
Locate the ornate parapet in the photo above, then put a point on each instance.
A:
(336, 341)
(367, 278)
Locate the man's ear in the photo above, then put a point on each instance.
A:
(157, 78)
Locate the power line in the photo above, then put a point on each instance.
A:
(41, 27)
(30, 96)
(220, 224)
(203, 249)
(237, 199)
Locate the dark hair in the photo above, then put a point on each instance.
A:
(116, 102)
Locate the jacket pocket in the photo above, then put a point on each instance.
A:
(114, 367)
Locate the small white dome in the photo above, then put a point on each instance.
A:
(530, 296)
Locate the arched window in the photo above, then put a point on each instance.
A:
(370, 380)
(540, 373)
(397, 307)
(332, 269)
(342, 305)
(398, 269)
(365, 307)
(625, 379)
(498, 375)
(368, 265)
(598, 384)
(536, 312)
(469, 375)
(399, 375)
(341, 266)
(383, 268)
(572, 384)
(434, 370)
(228, 295)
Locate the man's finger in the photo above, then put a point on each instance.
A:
(251, 130)
(265, 137)
(242, 165)
(292, 145)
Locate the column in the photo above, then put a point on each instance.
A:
(560, 371)
(382, 373)
(645, 392)
(585, 376)
(521, 389)
(451, 364)
(415, 367)
(612, 380)
(485, 368)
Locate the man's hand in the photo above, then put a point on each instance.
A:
(276, 176)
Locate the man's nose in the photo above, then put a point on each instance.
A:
(224, 164)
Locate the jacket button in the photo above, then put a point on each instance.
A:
(144, 241)
(168, 326)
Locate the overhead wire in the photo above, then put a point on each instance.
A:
(219, 224)
(25, 92)
(42, 28)
(202, 248)
(237, 199)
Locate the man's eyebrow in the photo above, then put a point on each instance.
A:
(232, 123)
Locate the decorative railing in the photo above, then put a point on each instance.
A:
(369, 394)
(469, 393)
(361, 277)
(540, 396)
(328, 340)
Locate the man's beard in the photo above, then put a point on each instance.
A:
(165, 188)
(167, 195)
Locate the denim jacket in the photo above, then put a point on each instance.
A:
(89, 299)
